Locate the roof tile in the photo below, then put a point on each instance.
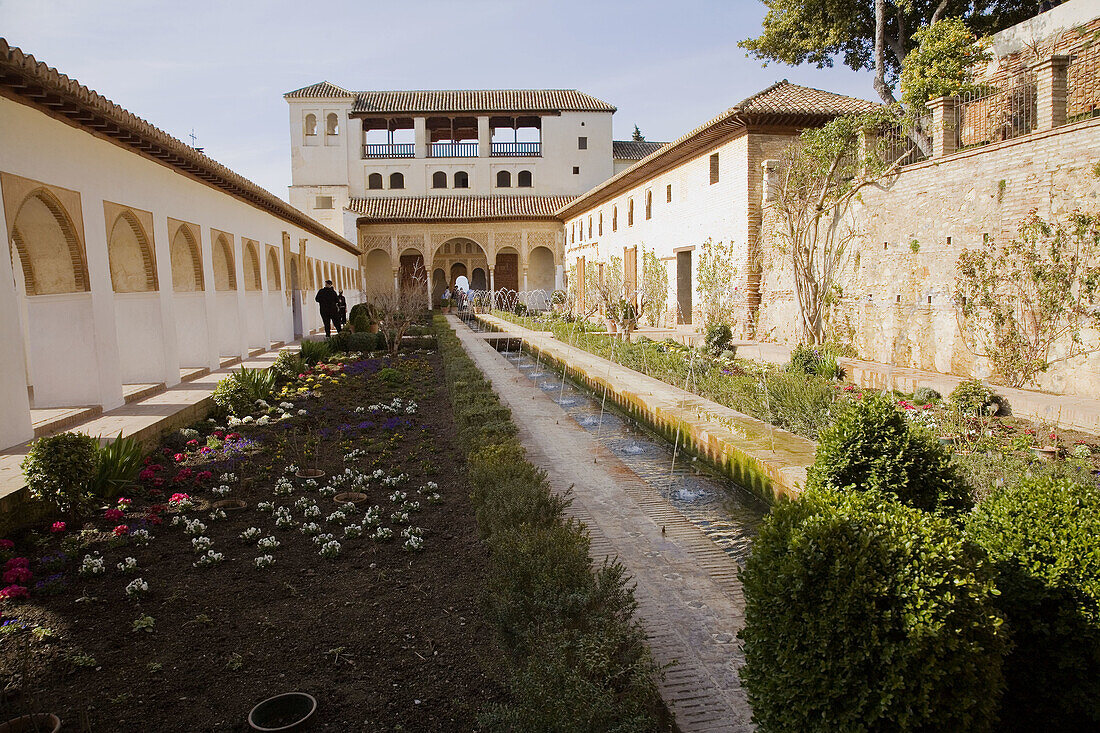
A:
(320, 90)
(634, 149)
(480, 100)
(458, 208)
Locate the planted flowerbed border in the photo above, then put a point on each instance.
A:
(576, 656)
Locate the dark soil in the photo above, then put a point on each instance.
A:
(385, 639)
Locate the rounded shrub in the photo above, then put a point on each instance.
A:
(972, 397)
(871, 446)
(926, 396)
(59, 469)
(232, 396)
(862, 614)
(1041, 537)
(718, 338)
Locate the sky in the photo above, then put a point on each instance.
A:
(220, 68)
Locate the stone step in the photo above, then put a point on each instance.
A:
(48, 421)
(135, 392)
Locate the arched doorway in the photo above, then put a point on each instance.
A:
(506, 275)
(461, 256)
(411, 273)
(540, 269)
(439, 285)
(379, 273)
(478, 281)
(458, 270)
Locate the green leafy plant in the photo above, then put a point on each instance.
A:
(872, 447)
(314, 351)
(1025, 303)
(943, 63)
(364, 342)
(1041, 536)
(144, 623)
(926, 396)
(716, 282)
(288, 365)
(231, 396)
(863, 614)
(971, 397)
(654, 288)
(258, 383)
(117, 466)
(718, 338)
(60, 468)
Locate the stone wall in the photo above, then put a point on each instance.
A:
(896, 303)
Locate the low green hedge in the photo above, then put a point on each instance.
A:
(348, 341)
(575, 655)
(1042, 537)
(863, 614)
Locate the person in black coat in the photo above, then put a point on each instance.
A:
(330, 310)
(342, 307)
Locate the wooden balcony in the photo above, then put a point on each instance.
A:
(517, 150)
(452, 150)
(389, 150)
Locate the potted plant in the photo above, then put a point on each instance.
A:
(32, 723)
(611, 316)
(628, 317)
(445, 305)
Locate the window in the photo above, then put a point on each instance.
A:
(332, 124)
(374, 181)
(576, 170)
(630, 213)
(614, 218)
(311, 124)
(523, 179)
(582, 143)
(439, 179)
(462, 179)
(714, 169)
(504, 179)
(668, 193)
(648, 204)
(601, 224)
(397, 180)
(573, 232)
(323, 202)
(590, 227)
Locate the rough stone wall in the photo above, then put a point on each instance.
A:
(897, 282)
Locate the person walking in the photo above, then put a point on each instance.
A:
(330, 311)
(342, 306)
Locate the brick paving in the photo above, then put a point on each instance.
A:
(689, 599)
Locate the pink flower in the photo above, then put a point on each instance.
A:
(179, 458)
(204, 476)
(14, 592)
(57, 527)
(120, 531)
(219, 434)
(18, 575)
(192, 442)
(177, 498)
(157, 492)
(233, 436)
(124, 502)
(205, 451)
(146, 474)
(113, 514)
(17, 562)
(6, 545)
(156, 467)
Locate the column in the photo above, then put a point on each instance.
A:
(492, 286)
(1051, 91)
(524, 254)
(943, 131)
(242, 312)
(210, 299)
(166, 297)
(15, 418)
(109, 386)
(396, 280)
(420, 136)
(484, 138)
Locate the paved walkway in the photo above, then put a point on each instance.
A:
(688, 595)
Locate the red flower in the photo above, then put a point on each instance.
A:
(157, 482)
(13, 592)
(6, 545)
(204, 476)
(233, 436)
(17, 562)
(148, 460)
(192, 442)
(219, 434)
(18, 575)
(205, 451)
(156, 467)
(123, 501)
(146, 474)
(120, 531)
(179, 458)
(57, 527)
(113, 514)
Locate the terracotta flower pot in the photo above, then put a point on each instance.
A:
(34, 723)
(287, 712)
(309, 473)
(352, 497)
(230, 505)
(1045, 452)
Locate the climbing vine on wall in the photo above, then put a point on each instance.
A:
(654, 286)
(716, 278)
(1024, 303)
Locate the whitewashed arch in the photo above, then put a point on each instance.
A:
(252, 279)
(274, 282)
(49, 250)
(133, 265)
(225, 274)
(186, 261)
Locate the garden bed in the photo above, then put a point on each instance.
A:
(387, 634)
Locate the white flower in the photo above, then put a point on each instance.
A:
(250, 534)
(247, 419)
(330, 550)
(382, 534)
(292, 468)
(136, 587)
(286, 405)
(141, 536)
(311, 528)
(265, 561)
(128, 565)
(360, 409)
(353, 530)
(311, 511)
(266, 506)
(220, 490)
(400, 517)
(263, 420)
(227, 478)
(429, 488)
(397, 497)
(92, 565)
(302, 412)
(411, 506)
(193, 527)
(323, 538)
(373, 515)
(268, 543)
(282, 521)
(202, 543)
(434, 498)
(336, 516)
(210, 558)
(413, 544)
(217, 515)
(233, 421)
(412, 532)
(327, 491)
(262, 404)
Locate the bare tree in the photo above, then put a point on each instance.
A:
(399, 309)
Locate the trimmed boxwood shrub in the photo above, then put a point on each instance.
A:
(863, 614)
(348, 341)
(59, 469)
(1042, 537)
(871, 446)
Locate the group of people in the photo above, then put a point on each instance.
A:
(334, 309)
(461, 289)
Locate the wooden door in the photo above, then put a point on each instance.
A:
(507, 272)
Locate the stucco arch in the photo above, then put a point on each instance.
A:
(461, 256)
(252, 280)
(541, 269)
(186, 261)
(379, 270)
(225, 273)
(274, 282)
(50, 253)
(133, 264)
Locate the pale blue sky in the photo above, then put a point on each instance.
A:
(221, 67)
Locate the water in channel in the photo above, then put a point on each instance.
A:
(727, 513)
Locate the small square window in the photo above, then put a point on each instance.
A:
(576, 170)
(323, 202)
(714, 169)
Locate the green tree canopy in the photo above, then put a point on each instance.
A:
(797, 32)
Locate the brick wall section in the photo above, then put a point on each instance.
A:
(885, 309)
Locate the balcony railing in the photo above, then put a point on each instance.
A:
(389, 150)
(452, 150)
(517, 150)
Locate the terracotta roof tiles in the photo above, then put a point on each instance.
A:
(457, 208)
(479, 100)
(634, 149)
(321, 90)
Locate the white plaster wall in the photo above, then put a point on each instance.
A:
(140, 338)
(254, 329)
(192, 340)
(63, 358)
(228, 325)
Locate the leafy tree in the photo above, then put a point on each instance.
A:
(942, 64)
(873, 35)
(821, 174)
(715, 282)
(1018, 300)
(654, 286)
(638, 136)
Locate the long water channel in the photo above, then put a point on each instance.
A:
(727, 513)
